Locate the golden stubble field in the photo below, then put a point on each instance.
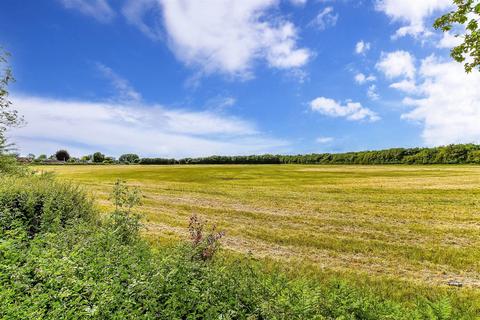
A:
(415, 227)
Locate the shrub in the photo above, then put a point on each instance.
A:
(10, 166)
(204, 246)
(124, 221)
(41, 204)
(109, 160)
(62, 155)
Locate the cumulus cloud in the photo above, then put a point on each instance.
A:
(353, 111)
(229, 36)
(325, 19)
(360, 78)
(362, 47)
(446, 103)
(412, 14)
(397, 64)
(98, 9)
(449, 41)
(150, 130)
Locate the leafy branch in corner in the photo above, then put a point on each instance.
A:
(467, 15)
(8, 117)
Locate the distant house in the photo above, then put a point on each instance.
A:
(24, 160)
(52, 161)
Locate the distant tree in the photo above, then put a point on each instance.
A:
(42, 157)
(98, 157)
(109, 160)
(467, 14)
(86, 158)
(8, 116)
(62, 155)
(31, 156)
(129, 158)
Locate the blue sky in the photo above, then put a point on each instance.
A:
(193, 78)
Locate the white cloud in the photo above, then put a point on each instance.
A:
(325, 19)
(220, 103)
(323, 140)
(298, 2)
(84, 127)
(126, 93)
(412, 13)
(360, 78)
(351, 110)
(362, 47)
(98, 9)
(449, 41)
(136, 12)
(229, 36)
(447, 103)
(407, 86)
(397, 64)
(372, 92)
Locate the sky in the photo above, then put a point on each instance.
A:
(189, 78)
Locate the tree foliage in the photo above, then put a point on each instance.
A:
(450, 154)
(98, 157)
(467, 14)
(8, 116)
(62, 155)
(129, 158)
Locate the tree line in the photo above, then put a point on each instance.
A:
(450, 154)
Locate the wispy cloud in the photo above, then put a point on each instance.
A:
(98, 9)
(125, 92)
(325, 19)
(146, 16)
(372, 92)
(150, 130)
(324, 140)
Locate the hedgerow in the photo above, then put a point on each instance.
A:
(451, 154)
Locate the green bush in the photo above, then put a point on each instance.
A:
(10, 166)
(40, 203)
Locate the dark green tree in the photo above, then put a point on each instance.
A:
(62, 155)
(98, 157)
(129, 158)
(467, 14)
